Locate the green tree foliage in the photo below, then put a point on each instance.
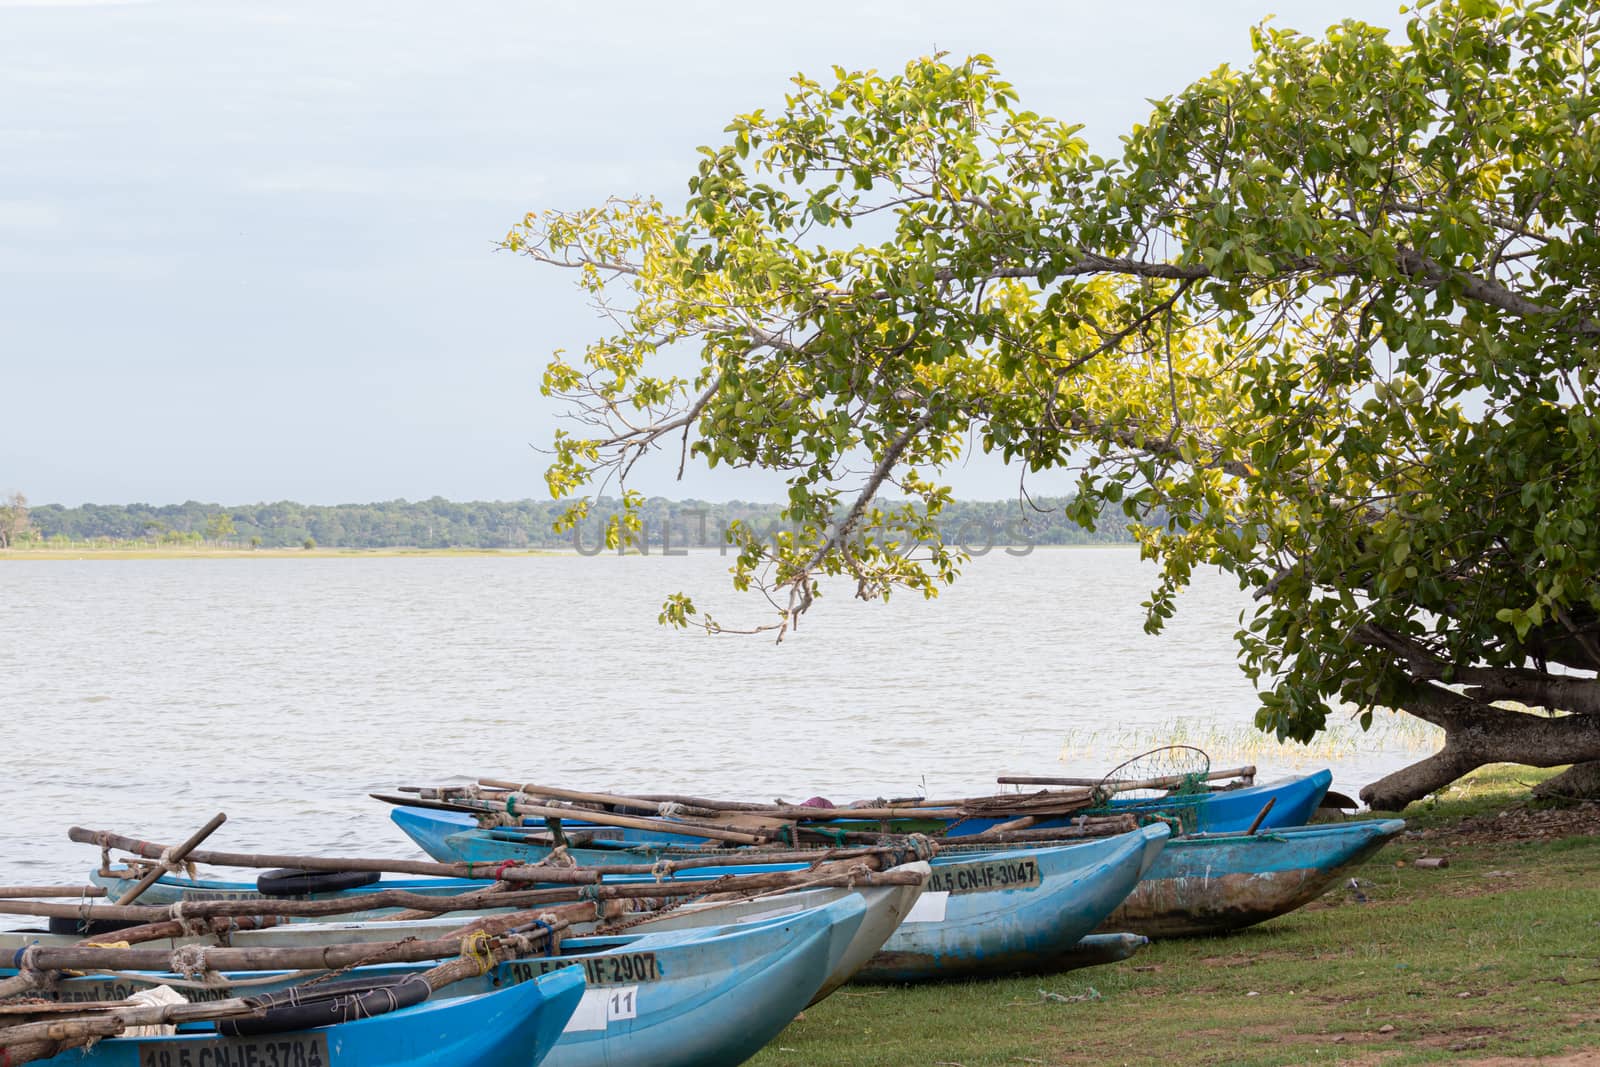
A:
(13, 519)
(1334, 313)
(220, 527)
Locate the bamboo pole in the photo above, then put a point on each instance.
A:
(10, 891)
(1166, 782)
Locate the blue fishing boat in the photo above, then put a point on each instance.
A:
(678, 998)
(517, 1026)
(1022, 910)
(1213, 883)
(1293, 802)
(983, 911)
(885, 907)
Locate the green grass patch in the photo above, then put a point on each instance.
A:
(1497, 954)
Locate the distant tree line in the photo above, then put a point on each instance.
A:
(668, 525)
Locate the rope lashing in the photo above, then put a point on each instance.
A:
(502, 867)
(478, 947)
(661, 870)
(192, 926)
(549, 936)
(671, 809)
(190, 961)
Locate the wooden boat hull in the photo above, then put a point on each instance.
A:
(1214, 884)
(511, 1027)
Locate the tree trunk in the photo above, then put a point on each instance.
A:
(1579, 782)
(1477, 734)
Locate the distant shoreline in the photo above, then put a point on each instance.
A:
(189, 552)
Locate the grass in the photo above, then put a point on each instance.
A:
(1497, 954)
(1231, 745)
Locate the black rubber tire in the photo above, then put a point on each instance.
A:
(306, 1008)
(290, 882)
(74, 927)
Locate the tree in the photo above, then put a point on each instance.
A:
(1333, 313)
(220, 527)
(13, 519)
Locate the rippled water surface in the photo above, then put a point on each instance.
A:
(145, 695)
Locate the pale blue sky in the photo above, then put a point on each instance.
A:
(246, 249)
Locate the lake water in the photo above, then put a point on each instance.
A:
(145, 695)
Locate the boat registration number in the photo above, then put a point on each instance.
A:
(991, 877)
(82, 990)
(309, 1049)
(623, 968)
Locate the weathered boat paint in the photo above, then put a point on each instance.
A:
(1010, 912)
(675, 998)
(1096, 950)
(511, 1027)
(1210, 884)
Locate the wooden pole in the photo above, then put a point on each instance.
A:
(1166, 782)
(1262, 815)
(554, 793)
(177, 856)
(519, 872)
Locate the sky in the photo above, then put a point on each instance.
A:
(247, 250)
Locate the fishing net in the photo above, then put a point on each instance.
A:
(1165, 784)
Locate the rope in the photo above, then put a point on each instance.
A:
(661, 870)
(192, 926)
(671, 809)
(148, 978)
(549, 935)
(499, 871)
(478, 948)
(190, 961)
